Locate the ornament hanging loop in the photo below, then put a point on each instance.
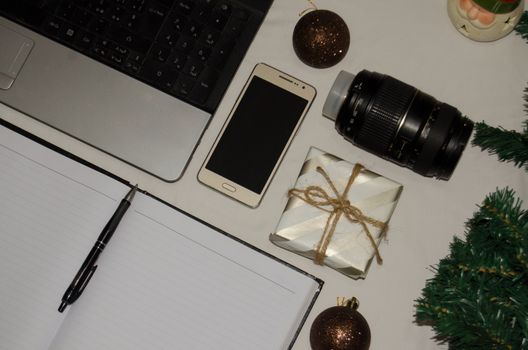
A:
(313, 8)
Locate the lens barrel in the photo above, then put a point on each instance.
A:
(398, 122)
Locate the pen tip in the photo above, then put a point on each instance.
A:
(62, 306)
(131, 193)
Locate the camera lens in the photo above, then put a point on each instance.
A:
(398, 122)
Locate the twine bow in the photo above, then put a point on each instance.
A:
(337, 207)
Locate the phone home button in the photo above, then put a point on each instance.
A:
(228, 187)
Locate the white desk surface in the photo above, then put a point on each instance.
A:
(414, 41)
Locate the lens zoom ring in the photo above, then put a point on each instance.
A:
(381, 123)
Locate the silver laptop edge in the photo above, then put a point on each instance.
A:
(98, 105)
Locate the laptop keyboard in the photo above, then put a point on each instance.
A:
(189, 49)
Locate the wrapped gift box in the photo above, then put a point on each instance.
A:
(371, 196)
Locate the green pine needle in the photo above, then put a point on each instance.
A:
(478, 298)
(522, 27)
(509, 146)
(526, 99)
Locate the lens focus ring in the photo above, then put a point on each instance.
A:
(381, 122)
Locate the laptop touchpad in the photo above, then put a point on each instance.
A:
(15, 50)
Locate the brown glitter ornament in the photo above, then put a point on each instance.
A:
(321, 38)
(340, 328)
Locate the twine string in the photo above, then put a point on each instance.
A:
(337, 206)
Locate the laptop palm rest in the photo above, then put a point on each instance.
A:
(104, 108)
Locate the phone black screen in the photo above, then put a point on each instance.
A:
(256, 134)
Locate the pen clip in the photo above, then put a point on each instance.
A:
(85, 282)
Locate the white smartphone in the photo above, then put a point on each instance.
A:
(256, 135)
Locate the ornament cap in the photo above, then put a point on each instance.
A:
(352, 303)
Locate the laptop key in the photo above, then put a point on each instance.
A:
(100, 51)
(152, 19)
(68, 33)
(193, 68)
(137, 5)
(84, 41)
(116, 14)
(209, 36)
(53, 26)
(156, 9)
(132, 67)
(185, 6)
(162, 77)
(99, 6)
(185, 43)
(131, 21)
(240, 14)
(177, 60)
(218, 20)
(116, 58)
(98, 25)
(81, 17)
(203, 10)
(126, 38)
(167, 3)
(168, 39)
(120, 49)
(221, 53)
(224, 8)
(201, 53)
(193, 29)
(183, 85)
(151, 71)
(136, 57)
(159, 52)
(233, 28)
(220, 15)
(103, 42)
(169, 79)
(178, 22)
(203, 87)
(67, 10)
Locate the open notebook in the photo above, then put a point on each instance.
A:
(165, 280)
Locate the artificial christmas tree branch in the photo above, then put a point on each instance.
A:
(478, 298)
(509, 146)
(522, 27)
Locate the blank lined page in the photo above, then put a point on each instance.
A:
(170, 282)
(51, 211)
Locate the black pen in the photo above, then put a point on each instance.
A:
(88, 267)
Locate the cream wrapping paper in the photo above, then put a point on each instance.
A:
(301, 225)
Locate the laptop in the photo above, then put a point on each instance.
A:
(138, 79)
